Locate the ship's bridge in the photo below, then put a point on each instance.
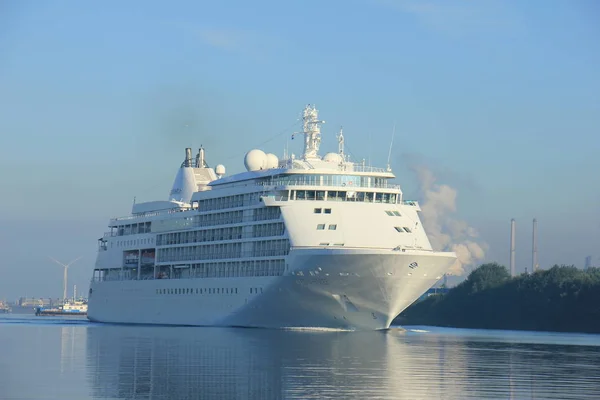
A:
(314, 177)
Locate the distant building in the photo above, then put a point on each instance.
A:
(588, 262)
(33, 302)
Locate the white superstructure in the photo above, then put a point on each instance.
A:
(298, 242)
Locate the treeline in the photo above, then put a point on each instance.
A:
(563, 298)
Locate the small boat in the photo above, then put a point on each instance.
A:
(4, 308)
(78, 307)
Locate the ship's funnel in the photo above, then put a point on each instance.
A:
(185, 182)
(188, 157)
(200, 162)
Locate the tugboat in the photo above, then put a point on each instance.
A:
(69, 307)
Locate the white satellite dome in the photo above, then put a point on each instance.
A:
(255, 160)
(333, 158)
(272, 161)
(220, 170)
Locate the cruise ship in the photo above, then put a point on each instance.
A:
(299, 242)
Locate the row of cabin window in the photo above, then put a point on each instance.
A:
(131, 243)
(333, 195)
(265, 213)
(131, 229)
(219, 203)
(173, 224)
(266, 230)
(236, 217)
(225, 269)
(203, 252)
(393, 213)
(328, 180)
(320, 210)
(210, 235)
(402, 229)
(221, 218)
(198, 291)
(261, 248)
(321, 227)
(207, 235)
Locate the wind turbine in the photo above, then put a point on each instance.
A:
(66, 266)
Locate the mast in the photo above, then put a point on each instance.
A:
(340, 138)
(311, 131)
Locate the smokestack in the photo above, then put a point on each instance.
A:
(588, 263)
(512, 247)
(534, 255)
(188, 157)
(201, 161)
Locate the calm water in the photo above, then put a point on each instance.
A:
(54, 358)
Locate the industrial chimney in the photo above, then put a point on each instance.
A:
(534, 255)
(512, 247)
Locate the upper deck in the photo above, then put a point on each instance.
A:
(199, 188)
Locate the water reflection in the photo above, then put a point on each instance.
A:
(179, 363)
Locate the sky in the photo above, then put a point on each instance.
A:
(498, 101)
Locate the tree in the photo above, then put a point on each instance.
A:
(487, 276)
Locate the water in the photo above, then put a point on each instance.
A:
(62, 358)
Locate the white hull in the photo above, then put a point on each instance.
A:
(340, 289)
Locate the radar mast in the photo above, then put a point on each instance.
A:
(311, 131)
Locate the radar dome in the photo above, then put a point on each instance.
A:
(333, 158)
(220, 170)
(255, 160)
(272, 161)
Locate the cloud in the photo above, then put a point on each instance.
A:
(233, 40)
(223, 39)
(454, 16)
(445, 230)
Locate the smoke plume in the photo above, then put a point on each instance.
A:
(446, 232)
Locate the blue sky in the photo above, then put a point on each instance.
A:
(499, 99)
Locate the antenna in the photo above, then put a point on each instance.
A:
(66, 266)
(389, 168)
(340, 138)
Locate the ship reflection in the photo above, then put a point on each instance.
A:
(169, 363)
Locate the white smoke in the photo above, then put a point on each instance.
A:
(446, 232)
